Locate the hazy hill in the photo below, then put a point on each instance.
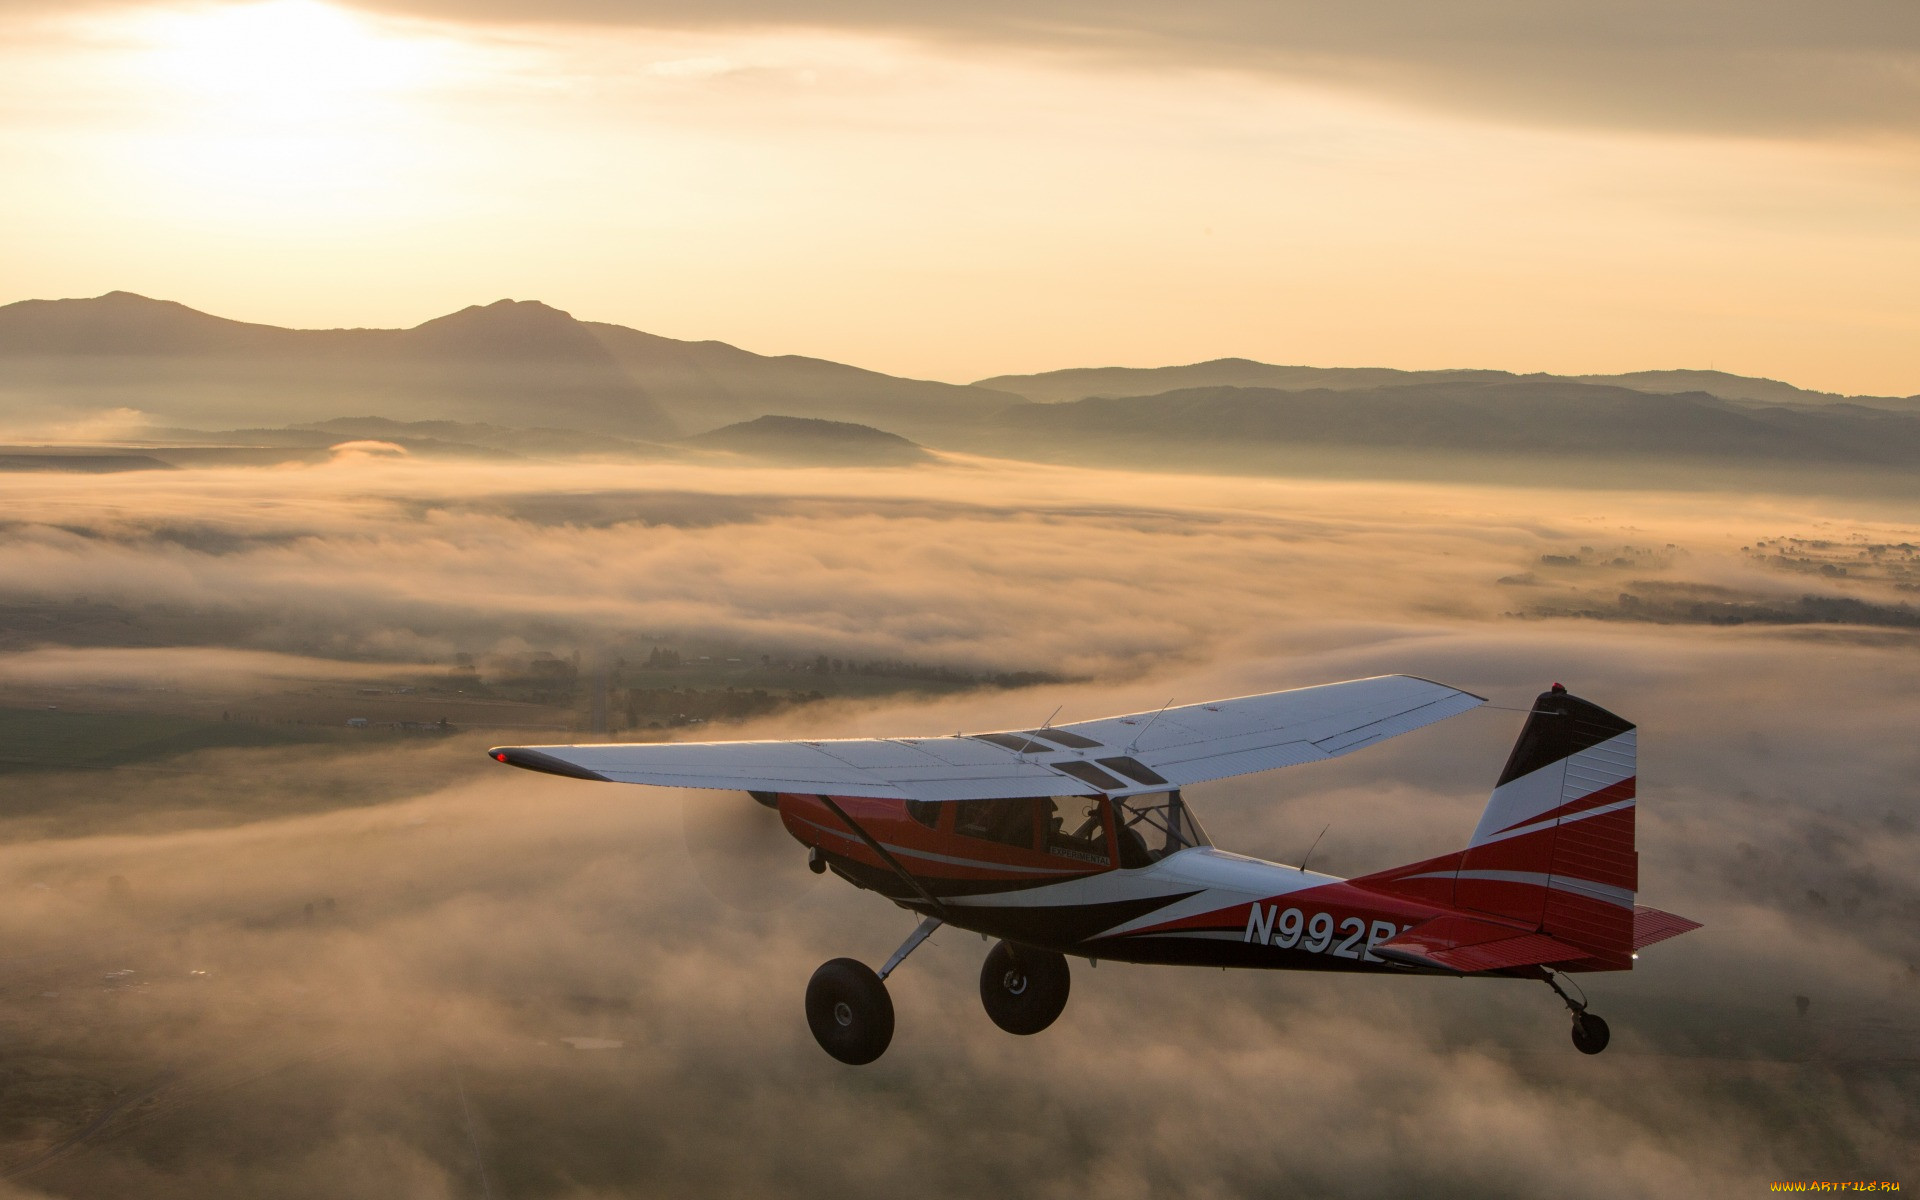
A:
(34, 458)
(806, 441)
(499, 363)
(122, 324)
(705, 385)
(511, 363)
(1523, 422)
(1077, 383)
(1743, 387)
(1080, 382)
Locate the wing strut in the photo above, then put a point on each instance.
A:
(905, 875)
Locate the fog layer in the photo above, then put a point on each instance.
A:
(396, 968)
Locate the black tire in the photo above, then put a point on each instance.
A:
(1024, 989)
(1590, 1033)
(849, 1011)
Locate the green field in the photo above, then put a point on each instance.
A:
(39, 739)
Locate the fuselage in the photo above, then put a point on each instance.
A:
(1025, 837)
(1017, 874)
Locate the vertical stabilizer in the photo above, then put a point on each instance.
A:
(1554, 848)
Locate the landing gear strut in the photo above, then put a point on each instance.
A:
(1590, 1033)
(1024, 989)
(848, 1008)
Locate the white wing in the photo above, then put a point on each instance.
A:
(1141, 752)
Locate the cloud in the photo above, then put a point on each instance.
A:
(864, 562)
(1768, 68)
(396, 939)
(367, 448)
(170, 666)
(413, 1025)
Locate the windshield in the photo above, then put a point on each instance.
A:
(1153, 826)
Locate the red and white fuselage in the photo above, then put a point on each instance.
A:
(1547, 880)
(1078, 840)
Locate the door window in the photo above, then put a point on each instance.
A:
(1009, 822)
(1071, 827)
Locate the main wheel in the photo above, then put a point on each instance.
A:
(849, 1011)
(1590, 1033)
(1024, 989)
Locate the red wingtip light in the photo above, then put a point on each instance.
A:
(500, 756)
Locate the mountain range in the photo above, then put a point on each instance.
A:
(1079, 383)
(519, 378)
(509, 363)
(1534, 430)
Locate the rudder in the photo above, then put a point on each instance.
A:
(1554, 849)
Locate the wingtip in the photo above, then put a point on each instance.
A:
(538, 760)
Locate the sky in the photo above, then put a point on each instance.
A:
(955, 192)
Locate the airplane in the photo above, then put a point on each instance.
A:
(1077, 840)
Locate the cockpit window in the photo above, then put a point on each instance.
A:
(927, 812)
(1019, 743)
(1075, 828)
(1135, 770)
(1009, 822)
(1086, 772)
(1065, 737)
(1153, 826)
(1063, 826)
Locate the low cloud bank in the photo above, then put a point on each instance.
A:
(362, 982)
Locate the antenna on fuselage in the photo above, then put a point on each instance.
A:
(1315, 846)
(1048, 723)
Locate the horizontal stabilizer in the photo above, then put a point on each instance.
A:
(1650, 925)
(1468, 946)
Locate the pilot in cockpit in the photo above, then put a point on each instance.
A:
(1086, 841)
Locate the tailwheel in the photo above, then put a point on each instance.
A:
(1590, 1033)
(849, 1011)
(1024, 989)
